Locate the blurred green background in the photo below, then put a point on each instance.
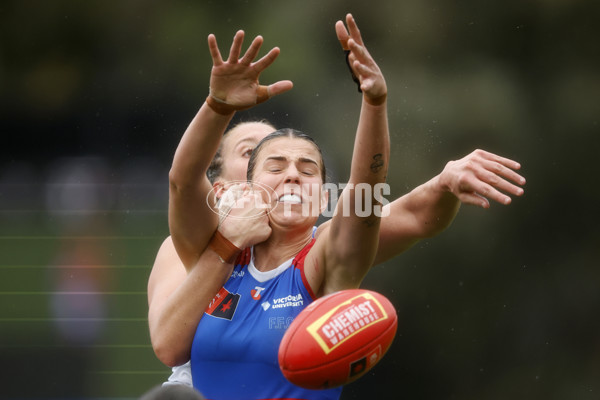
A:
(95, 95)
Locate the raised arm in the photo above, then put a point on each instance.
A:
(476, 179)
(233, 86)
(351, 240)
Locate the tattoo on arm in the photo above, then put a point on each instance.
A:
(377, 163)
(370, 221)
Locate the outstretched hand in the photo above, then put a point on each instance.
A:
(234, 82)
(482, 176)
(372, 82)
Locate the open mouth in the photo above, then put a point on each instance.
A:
(291, 199)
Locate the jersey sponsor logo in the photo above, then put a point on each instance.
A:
(288, 301)
(283, 302)
(223, 305)
(346, 320)
(255, 293)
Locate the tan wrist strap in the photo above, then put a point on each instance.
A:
(376, 101)
(226, 250)
(218, 106)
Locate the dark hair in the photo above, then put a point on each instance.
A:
(215, 169)
(285, 132)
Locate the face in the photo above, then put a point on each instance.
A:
(291, 169)
(237, 148)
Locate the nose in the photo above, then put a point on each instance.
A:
(292, 175)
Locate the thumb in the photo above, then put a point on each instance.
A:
(266, 92)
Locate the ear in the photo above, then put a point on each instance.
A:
(218, 188)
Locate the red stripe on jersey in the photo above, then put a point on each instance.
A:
(298, 262)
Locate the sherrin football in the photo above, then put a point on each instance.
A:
(337, 339)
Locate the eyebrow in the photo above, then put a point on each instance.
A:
(244, 141)
(301, 159)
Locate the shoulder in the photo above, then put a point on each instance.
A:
(322, 228)
(314, 260)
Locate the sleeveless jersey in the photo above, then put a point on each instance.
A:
(235, 348)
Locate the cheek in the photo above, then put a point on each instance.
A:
(316, 194)
(313, 188)
(237, 169)
(265, 187)
(263, 179)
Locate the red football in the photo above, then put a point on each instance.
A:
(337, 339)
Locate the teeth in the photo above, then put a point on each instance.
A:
(290, 198)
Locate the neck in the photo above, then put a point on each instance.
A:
(280, 246)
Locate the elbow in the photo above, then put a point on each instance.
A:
(181, 185)
(176, 180)
(170, 353)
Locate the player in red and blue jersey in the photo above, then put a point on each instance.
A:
(234, 354)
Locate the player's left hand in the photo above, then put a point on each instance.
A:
(482, 176)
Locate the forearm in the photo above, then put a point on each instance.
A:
(424, 212)
(354, 227)
(191, 217)
(370, 158)
(197, 147)
(433, 207)
(173, 325)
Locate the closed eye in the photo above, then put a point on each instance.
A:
(275, 164)
(308, 167)
(247, 152)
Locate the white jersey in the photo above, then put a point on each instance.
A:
(181, 375)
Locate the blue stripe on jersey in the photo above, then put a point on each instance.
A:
(236, 358)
